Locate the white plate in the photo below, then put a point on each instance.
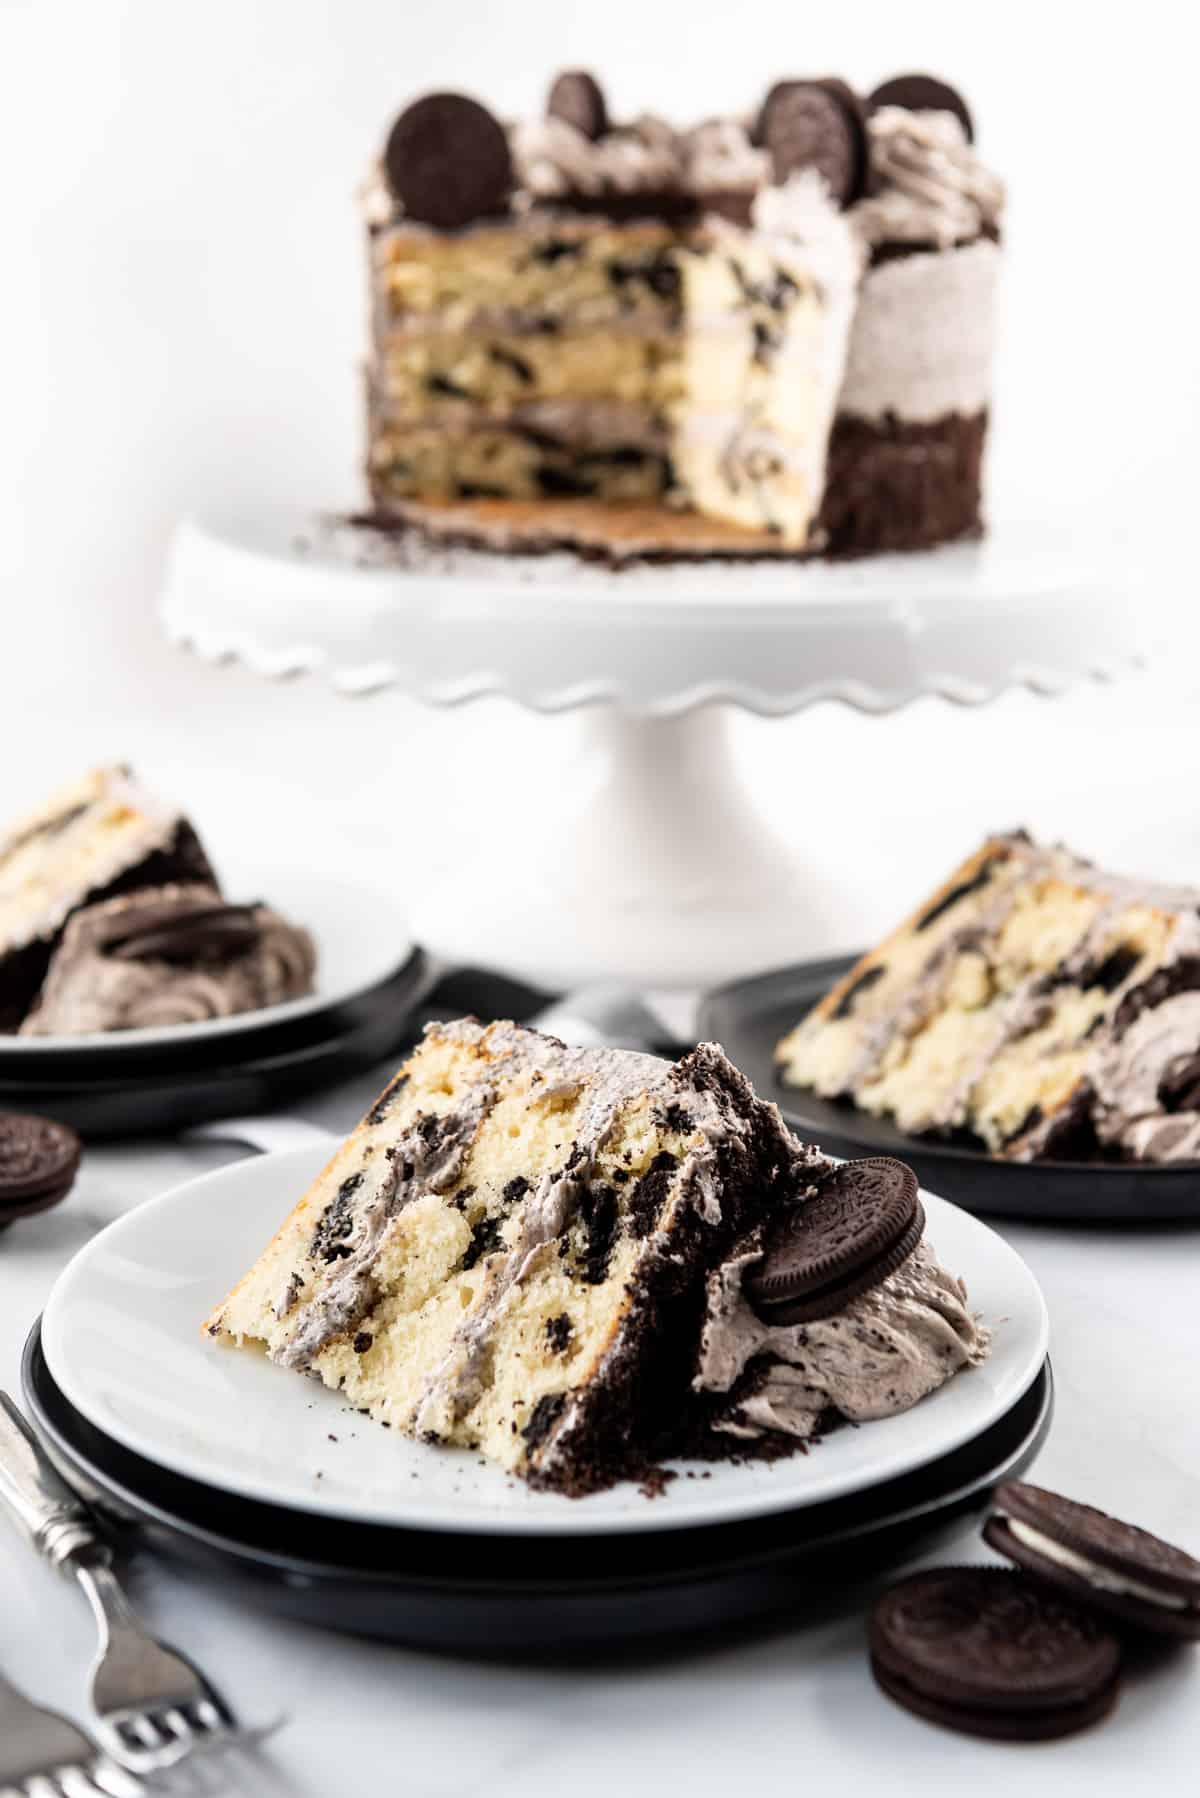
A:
(361, 941)
(122, 1339)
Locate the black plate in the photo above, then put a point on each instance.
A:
(128, 1091)
(748, 1018)
(531, 1596)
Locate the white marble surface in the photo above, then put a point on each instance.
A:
(793, 1704)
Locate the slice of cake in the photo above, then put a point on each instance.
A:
(96, 838)
(1033, 1002)
(631, 317)
(513, 1252)
(169, 955)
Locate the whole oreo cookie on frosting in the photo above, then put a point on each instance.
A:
(1098, 1560)
(987, 1651)
(39, 1160)
(816, 125)
(864, 1222)
(923, 93)
(447, 161)
(578, 99)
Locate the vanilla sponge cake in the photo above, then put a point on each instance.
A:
(510, 1252)
(93, 839)
(1035, 1002)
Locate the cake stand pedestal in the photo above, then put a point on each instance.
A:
(636, 851)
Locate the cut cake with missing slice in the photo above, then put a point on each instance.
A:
(1043, 1006)
(511, 1251)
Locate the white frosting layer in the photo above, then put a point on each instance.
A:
(1103, 1578)
(921, 343)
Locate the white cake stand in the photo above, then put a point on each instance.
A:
(639, 853)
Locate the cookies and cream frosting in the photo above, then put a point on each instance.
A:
(100, 980)
(932, 188)
(880, 1355)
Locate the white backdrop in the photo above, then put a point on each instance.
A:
(182, 313)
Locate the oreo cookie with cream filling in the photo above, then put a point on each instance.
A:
(863, 1223)
(1116, 1567)
(39, 1160)
(988, 1652)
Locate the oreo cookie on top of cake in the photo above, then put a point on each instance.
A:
(111, 917)
(761, 334)
(1035, 1003)
(581, 1260)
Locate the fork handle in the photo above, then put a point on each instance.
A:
(38, 1499)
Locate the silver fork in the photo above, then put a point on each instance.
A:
(150, 1706)
(43, 1755)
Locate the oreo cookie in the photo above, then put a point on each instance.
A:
(863, 1222)
(578, 99)
(447, 161)
(1117, 1568)
(166, 933)
(987, 1651)
(816, 125)
(923, 93)
(39, 1160)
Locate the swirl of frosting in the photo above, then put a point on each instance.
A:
(553, 159)
(718, 157)
(934, 187)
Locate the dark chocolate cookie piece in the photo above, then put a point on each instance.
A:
(816, 125)
(578, 99)
(863, 1223)
(923, 93)
(1101, 1561)
(447, 161)
(989, 1652)
(39, 1160)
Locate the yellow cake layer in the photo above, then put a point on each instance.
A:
(564, 268)
(487, 461)
(419, 377)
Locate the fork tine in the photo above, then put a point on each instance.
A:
(113, 1781)
(206, 1716)
(73, 1782)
